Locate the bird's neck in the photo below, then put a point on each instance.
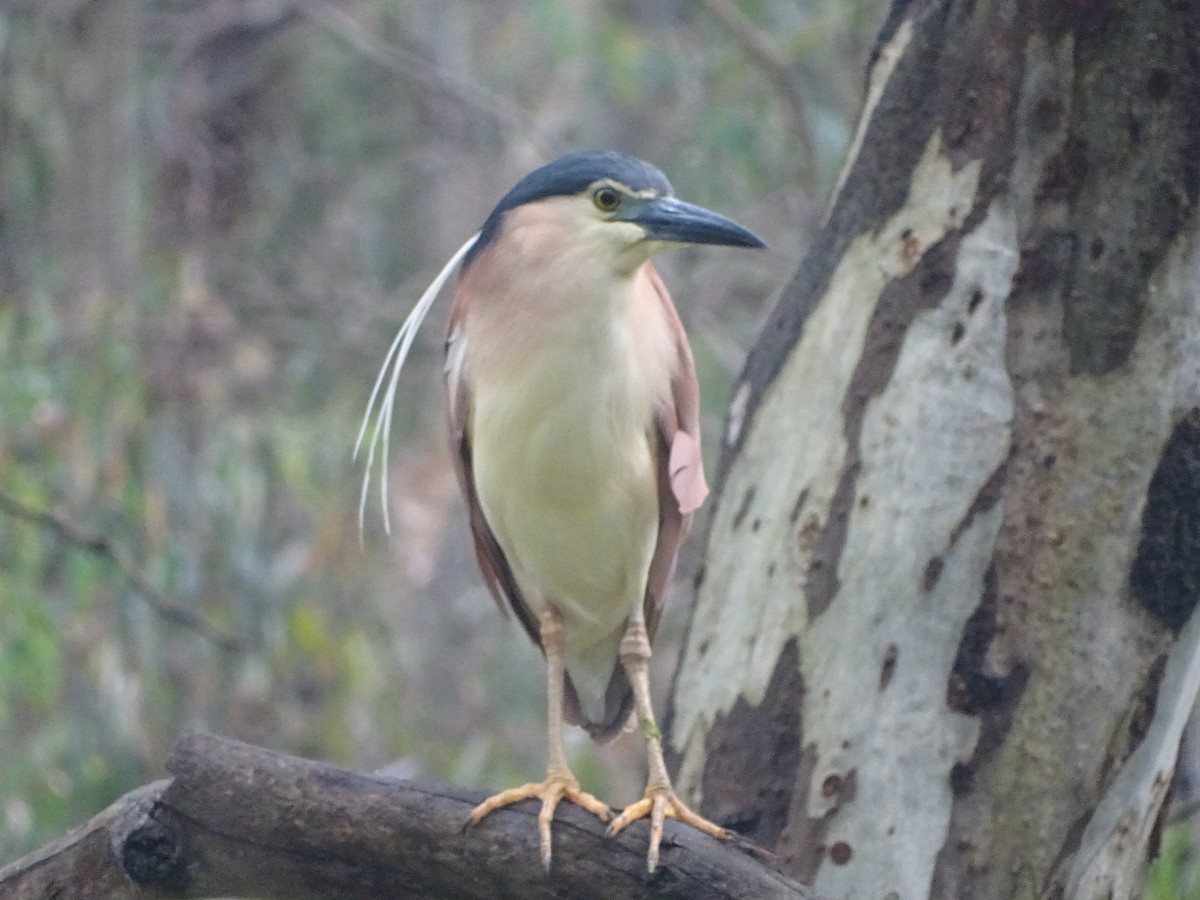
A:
(569, 328)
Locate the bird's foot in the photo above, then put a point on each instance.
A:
(659, 803)
(556, 787)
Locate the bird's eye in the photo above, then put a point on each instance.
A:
(606, 199)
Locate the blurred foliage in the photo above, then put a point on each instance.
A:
(1175, 874)
(213, 217)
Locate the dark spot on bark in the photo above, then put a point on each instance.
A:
(1165, 576)
(702, 649)
(850, 785)
(744, 507)
(975, 689)
(960, 124)
(1065, 172)
(888, 669)
(1049, 460)
(962, 779)
(152, 857)
(957, 333)
(755, 525)
(1057, 19)
(1047, 113)
(1154, 844)
(1096, 250)
(1158, 85)
(799, 505)
(752, 757)
(840, 853)
(809, 533)
(827, 543)
(771, 570)
(988, 496)
(832, 785)
(1133, 127)
(935, 282)
(1145, 704)
(801, 844)
(933, 571)
(972, 687)
(1045, 265)
(973, 303)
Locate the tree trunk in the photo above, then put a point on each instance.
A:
(92, 214)
(943, 645)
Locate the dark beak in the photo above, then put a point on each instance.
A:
(668, 219)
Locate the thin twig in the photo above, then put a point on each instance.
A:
(504, 113)
(99, 545)
(774, 63)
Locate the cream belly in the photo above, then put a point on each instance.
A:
(565, 473)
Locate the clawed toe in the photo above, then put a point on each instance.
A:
(660, 804)
(554, 789)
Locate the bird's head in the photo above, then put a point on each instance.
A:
(604, 207)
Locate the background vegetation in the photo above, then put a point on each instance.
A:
(213, 217)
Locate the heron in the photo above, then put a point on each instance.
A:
(573, 412)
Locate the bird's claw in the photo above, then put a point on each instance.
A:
(660, 804)
(554, 789)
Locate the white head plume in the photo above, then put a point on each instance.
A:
(394, 360)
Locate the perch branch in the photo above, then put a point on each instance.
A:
(238, 820)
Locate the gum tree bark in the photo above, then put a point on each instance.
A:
(944, 642)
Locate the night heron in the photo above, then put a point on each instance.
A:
(574, 424)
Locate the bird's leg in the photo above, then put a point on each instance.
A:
(560, 782)
(659, 799)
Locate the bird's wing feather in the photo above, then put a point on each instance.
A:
(681, 490)
(497, 573)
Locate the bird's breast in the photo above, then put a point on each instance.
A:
(564, 458)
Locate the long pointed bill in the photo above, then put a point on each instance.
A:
(668, 219)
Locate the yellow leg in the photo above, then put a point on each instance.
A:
(560, 783)
(659, 799)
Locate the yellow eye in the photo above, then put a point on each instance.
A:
(606, 199)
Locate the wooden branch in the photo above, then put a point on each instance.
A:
(238, 820)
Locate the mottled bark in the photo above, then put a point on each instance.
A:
(944, 644)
